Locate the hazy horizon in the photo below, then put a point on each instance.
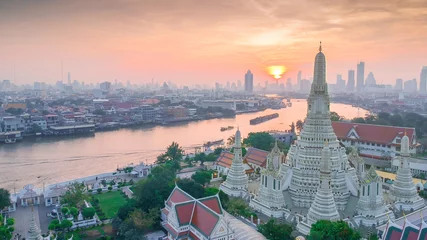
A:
(191, 42)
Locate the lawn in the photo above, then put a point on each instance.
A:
(110, 202)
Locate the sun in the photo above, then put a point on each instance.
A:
(276, 71)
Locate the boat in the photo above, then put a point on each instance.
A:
(262, 119)
(226, 128)
(213, 143)
(10, 140)
(289, 104)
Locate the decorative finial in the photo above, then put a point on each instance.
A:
(405, 131)
(326, 143)
(320, 47)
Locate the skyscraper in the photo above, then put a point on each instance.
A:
(299, 80)
(423, 80)
(289, 84)
(350, 81)
(69, 78)
(249, 81)
(360, 76)
(399, 84)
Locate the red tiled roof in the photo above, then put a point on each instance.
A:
(372, 133)
(204, 219)
(256, 156)
(225, 159)
(178, 196)
(193, 236)
(213, 203)
(170, 229)
(183, 212)
(394, 232)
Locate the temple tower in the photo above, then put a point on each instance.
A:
(403, 190)
(306, 154)
(269, 199)
(371, 208)
(34, 232)
(236, 184)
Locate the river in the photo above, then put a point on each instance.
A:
(55, 160)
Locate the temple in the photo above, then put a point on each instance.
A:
(236, 184)
(403, 191)
(323, 206)
(270, 200)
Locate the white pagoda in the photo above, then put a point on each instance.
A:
(371, 208)
(305, 155)
(34, 232)
(403, 191)
(323, 206)
(236, 184)
(269, 199)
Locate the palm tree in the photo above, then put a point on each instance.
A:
(299, 125)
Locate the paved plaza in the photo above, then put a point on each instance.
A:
(22, 217)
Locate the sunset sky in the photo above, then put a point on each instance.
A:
(198, 41)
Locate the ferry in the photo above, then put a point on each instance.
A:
(262, 119)
(226, 128)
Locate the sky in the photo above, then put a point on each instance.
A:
(203, 42)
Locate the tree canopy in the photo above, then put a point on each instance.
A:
(263, 141)
(327, 230)
(336, 117)
(274, 231)
(4, 198)
(202, 177)
(6, 229)
(173, 154)
(75, 195)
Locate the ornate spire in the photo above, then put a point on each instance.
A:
(34, 233)
(320, 46)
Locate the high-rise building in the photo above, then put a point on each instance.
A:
(410, 85)
(105, 86)
(360, 76)
(69, 78)
(289, 84)
(399, 84)
(340, 84)
(423, 80)
(350, 81)
(299, 80)
(249, 81)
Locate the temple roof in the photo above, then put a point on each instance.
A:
(372, 133)
(256, 156)
(178, 196)
(371, 176)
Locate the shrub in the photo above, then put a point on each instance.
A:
(64, 210)
(90, 190)
(110, 188)
(88, 212)
(99, 190)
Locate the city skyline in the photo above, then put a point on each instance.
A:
(189, 43)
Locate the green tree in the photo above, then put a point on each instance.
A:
(218, 151)
(335, 117)
(74, 212)
(173, 154)
(15, 111)
(191, 187)
(373, 236)
(358, 120)
(152, 191)
(238, 206)
(292, 126)
(66, 224)
(327, 230)
(88, 212)
(6, 229)
(4, 199)
(273, 231)
(230, 140)
(65, 210)
(299, 125)
(202, 177)
(75, 195)
(260, 140)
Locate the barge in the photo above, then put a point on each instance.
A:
(262, 119)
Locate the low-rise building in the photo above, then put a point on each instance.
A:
(226, 104)
(374, 141)
(256, 158)
(13, 124)
(223, 163)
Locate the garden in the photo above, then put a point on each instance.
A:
(107, 204)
